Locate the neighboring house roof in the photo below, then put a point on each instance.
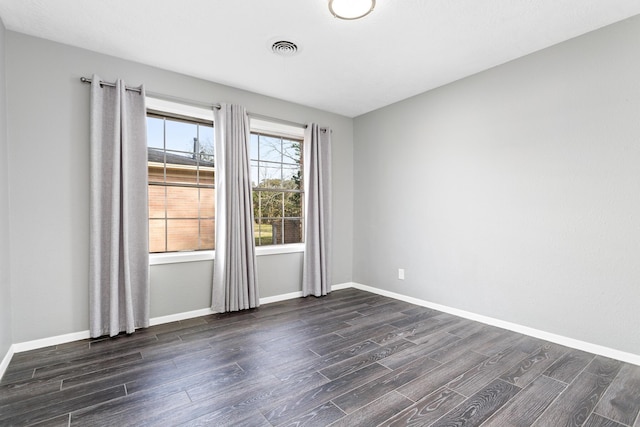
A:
(158, 156)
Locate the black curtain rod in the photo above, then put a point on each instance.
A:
(197, 103)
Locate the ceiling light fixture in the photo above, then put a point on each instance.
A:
(351, 9)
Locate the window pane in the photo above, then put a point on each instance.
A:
(253, 147)
(182, 235)
(263, 232)
(181, 136)
(181, 217)
(286, 230)
(156, 201)
(207, 176)
(269, 176)
(276, 164)
(156, 235)
(292, 231)
(291, 151)
(207, 234)
(270, 148)
(207, 202)
(181, 168)
(291, 175)
(155, 132)
(182, 202)
(254, 173)
(256, 195)
(206, 160)
(270, 204)
(206, 147)
(181, 157)
(292, 205)
(156, 171)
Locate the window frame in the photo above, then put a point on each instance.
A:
(266, 190)
(171, 186)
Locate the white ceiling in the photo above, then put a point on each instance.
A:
(403, 48)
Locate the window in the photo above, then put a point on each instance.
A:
(181, 183)
(181, 165)
(276, 175)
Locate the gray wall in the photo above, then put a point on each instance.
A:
(5, 285)
(48, 115)
(277, 274)
(514, 193)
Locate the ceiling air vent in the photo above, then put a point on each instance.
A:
(284, 48)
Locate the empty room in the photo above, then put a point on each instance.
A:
(321, 212)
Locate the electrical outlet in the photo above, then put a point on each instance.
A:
(401, 273)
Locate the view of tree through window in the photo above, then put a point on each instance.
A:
(181, 183)
(276, 176)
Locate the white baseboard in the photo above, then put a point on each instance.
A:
(283, 297)
(344, 286)
(5, 361)
(50, 341)
(536, 333)
(180, 316)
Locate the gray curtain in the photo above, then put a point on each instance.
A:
(316, 269)
(235, 284)
(119, 254)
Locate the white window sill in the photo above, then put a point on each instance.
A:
(175, 257)
(191, 256)
(280, 249)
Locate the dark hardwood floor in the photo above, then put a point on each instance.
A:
(349, 359)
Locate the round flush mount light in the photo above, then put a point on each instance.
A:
(351, 9)
(284, 48)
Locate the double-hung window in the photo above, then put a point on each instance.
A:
(181, 182)
(276, 175)
(181, 167)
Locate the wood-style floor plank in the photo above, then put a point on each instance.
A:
(240, 417)
(422, 332)
(351, 358)
(130, 410)
(535, 364)
(428, 409)
(619, 402)
(436, 342)
(479, 407)
(242, 396)
(356, 363)
(575, 404)
(462, 346)
(471, 381)
(598, 421)
(323, 415)
(567, 367)
(61, 421)
(46, 411)
(361, 396)
(375, 412)
(527, 406)
(440, 376)
(299, 404)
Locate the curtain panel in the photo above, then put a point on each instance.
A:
(119, 253)
(316, 268)
(235, 282)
